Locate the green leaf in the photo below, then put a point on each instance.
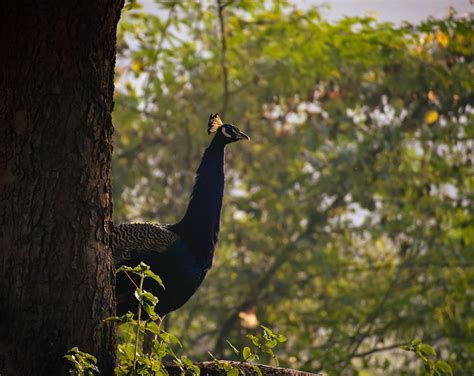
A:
(281, 338)
(247, 354)
(226, 366)
(149, 298)
(152, 327)
(124, 268)
(82, 363)
(169, 338)
(427, 349)
(234, 371)
(186, 360)
(121, 371)
(416, 342)
(255, 340)
(194, 369)
(128, 350)
(142, 267)
(90, 357)
(267, 331)
(150, 274)
(71, 358)
(443, 367)
(148, 302)
(271, 343)
(128, 317)
(270, 352)
(257, 370)
(179, 364)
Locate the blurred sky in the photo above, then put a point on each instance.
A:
(385, 10)
(390, 10)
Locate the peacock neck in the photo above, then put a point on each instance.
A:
(201, 222)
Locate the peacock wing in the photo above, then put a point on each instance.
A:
(129, 239)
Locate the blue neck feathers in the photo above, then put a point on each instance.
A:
(201, 222)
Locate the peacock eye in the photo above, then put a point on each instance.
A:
(225, 132)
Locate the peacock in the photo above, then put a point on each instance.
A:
(182, 253)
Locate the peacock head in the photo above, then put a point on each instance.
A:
(224, 133)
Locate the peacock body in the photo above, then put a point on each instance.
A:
(182, 253)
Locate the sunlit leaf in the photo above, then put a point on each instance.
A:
(442, 38)
(431, 116)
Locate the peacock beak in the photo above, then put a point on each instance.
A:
(242, 136)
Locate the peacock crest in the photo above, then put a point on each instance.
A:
(214, 123)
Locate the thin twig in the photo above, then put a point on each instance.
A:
(379, 349)
(259, 291)
(137, 335)
(132, 153)
(157, 53)
(370, 320)
(225, 74)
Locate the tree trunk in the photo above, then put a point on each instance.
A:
(56, 96)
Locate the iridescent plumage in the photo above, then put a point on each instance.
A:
(140, 237)
(181, 254)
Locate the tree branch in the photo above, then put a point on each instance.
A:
(155, 56)
(134, 151)
(391, 347)
(210, 369)
(370, 320)
(225, 74)
(258, 292)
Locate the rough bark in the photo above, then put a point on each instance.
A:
(56, 97)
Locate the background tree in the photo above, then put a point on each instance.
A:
(348, 218)
(56, 88)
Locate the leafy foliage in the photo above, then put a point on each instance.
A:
(347, 221)
(426, 353)
(270, 340)
(259, 346)
(81, 363)
(132, 360)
